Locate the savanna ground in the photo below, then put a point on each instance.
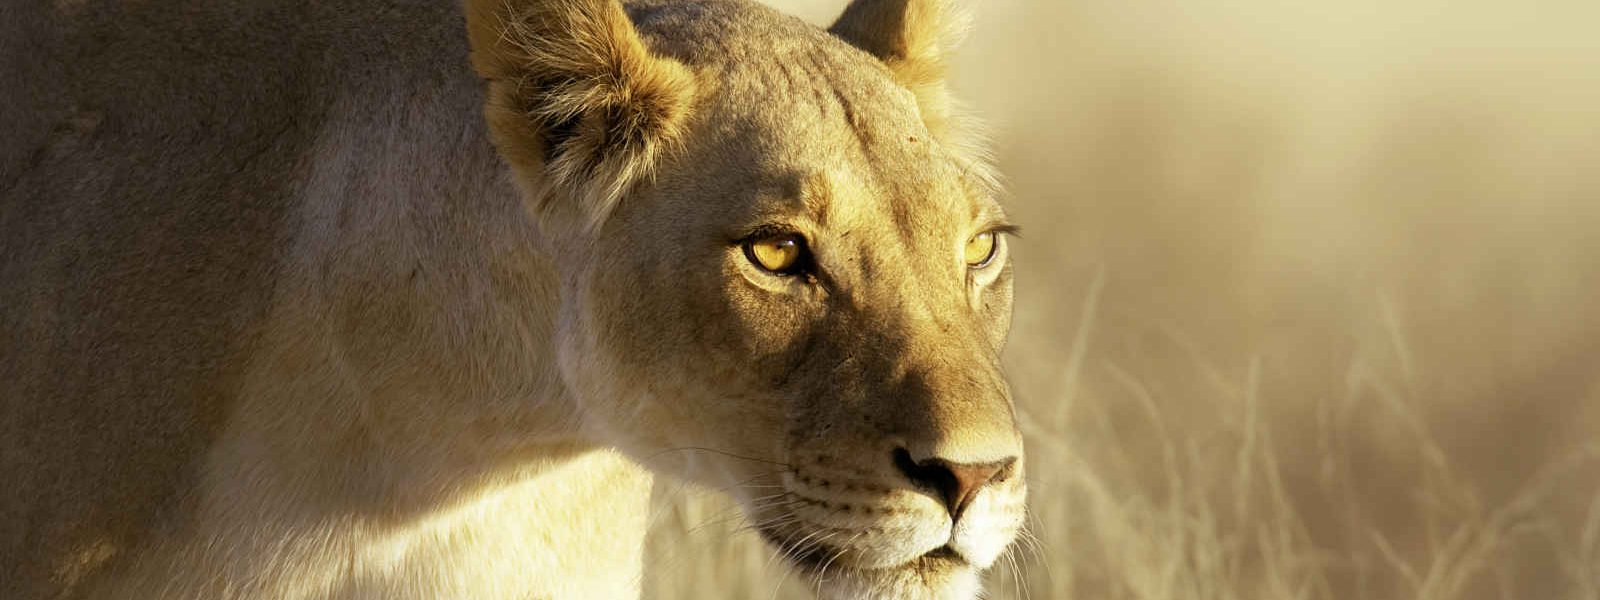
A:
(1308, 302)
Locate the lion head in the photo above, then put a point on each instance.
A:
(783, 269)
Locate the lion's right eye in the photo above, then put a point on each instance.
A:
(980, 250)
(784, 254)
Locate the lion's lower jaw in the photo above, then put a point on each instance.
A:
(920, 582)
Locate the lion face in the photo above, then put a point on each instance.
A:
(803, 299)
(827, 340)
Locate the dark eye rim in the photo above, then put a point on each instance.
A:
(803, 264)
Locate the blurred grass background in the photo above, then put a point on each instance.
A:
(1308, 302)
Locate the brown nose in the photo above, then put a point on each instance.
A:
(956, 483)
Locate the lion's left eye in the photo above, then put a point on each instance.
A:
(980, 249)
(782, 254)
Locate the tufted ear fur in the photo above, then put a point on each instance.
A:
(576, 103)
(911, 37)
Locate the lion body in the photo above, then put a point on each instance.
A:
(226, 229)
(283, 315)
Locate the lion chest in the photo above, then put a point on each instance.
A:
(579, 535)
(575, 530)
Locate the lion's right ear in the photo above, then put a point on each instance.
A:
(576, 103)
(911, 37)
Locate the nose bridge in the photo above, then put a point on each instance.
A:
(932, 381)
(946, 396)
(956, 410)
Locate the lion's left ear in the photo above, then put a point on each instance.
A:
(911, 37)
(577, 104)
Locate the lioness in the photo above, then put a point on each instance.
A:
(366, 299)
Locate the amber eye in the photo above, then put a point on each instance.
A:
(783, 254)
(980, 249)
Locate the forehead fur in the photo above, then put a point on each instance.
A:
(763, 72)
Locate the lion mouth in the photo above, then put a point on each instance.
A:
(945, 553)
(842, 572)
(816, 557)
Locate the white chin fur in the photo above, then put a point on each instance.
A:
(960, 584)
(983, 533)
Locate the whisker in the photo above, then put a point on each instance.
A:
(777, 522)
(789, 556)
(818, 544)
(757, 501)
(778, 551)
(719, 452)
(838, 552)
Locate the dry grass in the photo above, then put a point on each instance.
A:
(1309, 303)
